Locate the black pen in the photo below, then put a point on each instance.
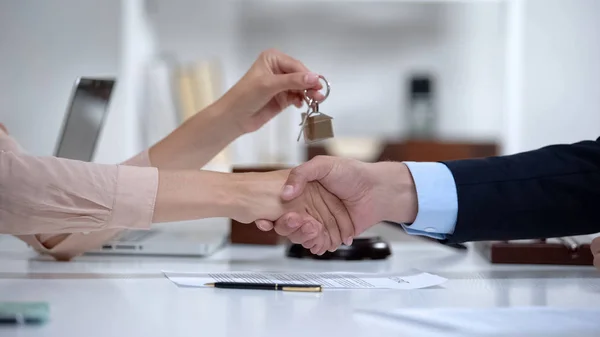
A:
(311, 288)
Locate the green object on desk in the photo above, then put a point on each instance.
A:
(24, 313)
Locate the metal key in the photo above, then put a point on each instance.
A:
(316, 125)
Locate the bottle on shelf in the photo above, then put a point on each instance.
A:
(421, 107)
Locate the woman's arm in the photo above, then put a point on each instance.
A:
(190, 146)
(196, 141)
(65, 245)
(274, 82)
(54, 195)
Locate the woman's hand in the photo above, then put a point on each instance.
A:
(317, 214)
(274, 82)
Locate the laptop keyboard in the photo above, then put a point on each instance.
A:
(135, 236)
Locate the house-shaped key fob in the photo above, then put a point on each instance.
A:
(318, 127)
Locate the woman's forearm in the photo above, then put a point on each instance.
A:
(197, 140)
(78, 200)
(79, 206)
(188, 195)
(199, 194)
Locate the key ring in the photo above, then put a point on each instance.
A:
(311, 101)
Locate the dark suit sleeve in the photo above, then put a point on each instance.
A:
(550, 192)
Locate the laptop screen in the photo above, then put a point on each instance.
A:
(85, 118)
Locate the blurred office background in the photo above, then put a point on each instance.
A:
(517, 74)
(475, 52)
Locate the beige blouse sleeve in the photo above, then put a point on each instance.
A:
(64, 207)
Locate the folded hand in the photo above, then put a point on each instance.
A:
(315, 218)
(371, 193)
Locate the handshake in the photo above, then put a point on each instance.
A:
(327, 201)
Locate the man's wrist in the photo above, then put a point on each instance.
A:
(437, 199)
(394, 193)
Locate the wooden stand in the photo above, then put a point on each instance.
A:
(540, 252)
(242, 233)
(421, 150)
(248, 233)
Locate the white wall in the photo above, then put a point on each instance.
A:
(366, 50)
(561, 96)
(44, 46)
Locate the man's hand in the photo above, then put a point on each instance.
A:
(596, 251)
(316, 218)
(370, 192)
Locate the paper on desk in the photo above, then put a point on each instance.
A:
(500, 321)
(326, 280)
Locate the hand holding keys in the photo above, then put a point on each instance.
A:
(316, 125)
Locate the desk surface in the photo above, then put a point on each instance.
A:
(128, 296)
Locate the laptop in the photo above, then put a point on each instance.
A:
(81, 129)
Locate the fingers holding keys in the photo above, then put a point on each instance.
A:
(291, 74)
(293, 81)
(315, 94)
(273, 82)
(281, 63)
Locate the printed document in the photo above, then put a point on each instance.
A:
(326, 280)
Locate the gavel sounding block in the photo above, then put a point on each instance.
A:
(535, 252)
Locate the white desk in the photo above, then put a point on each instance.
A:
(128, 296)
